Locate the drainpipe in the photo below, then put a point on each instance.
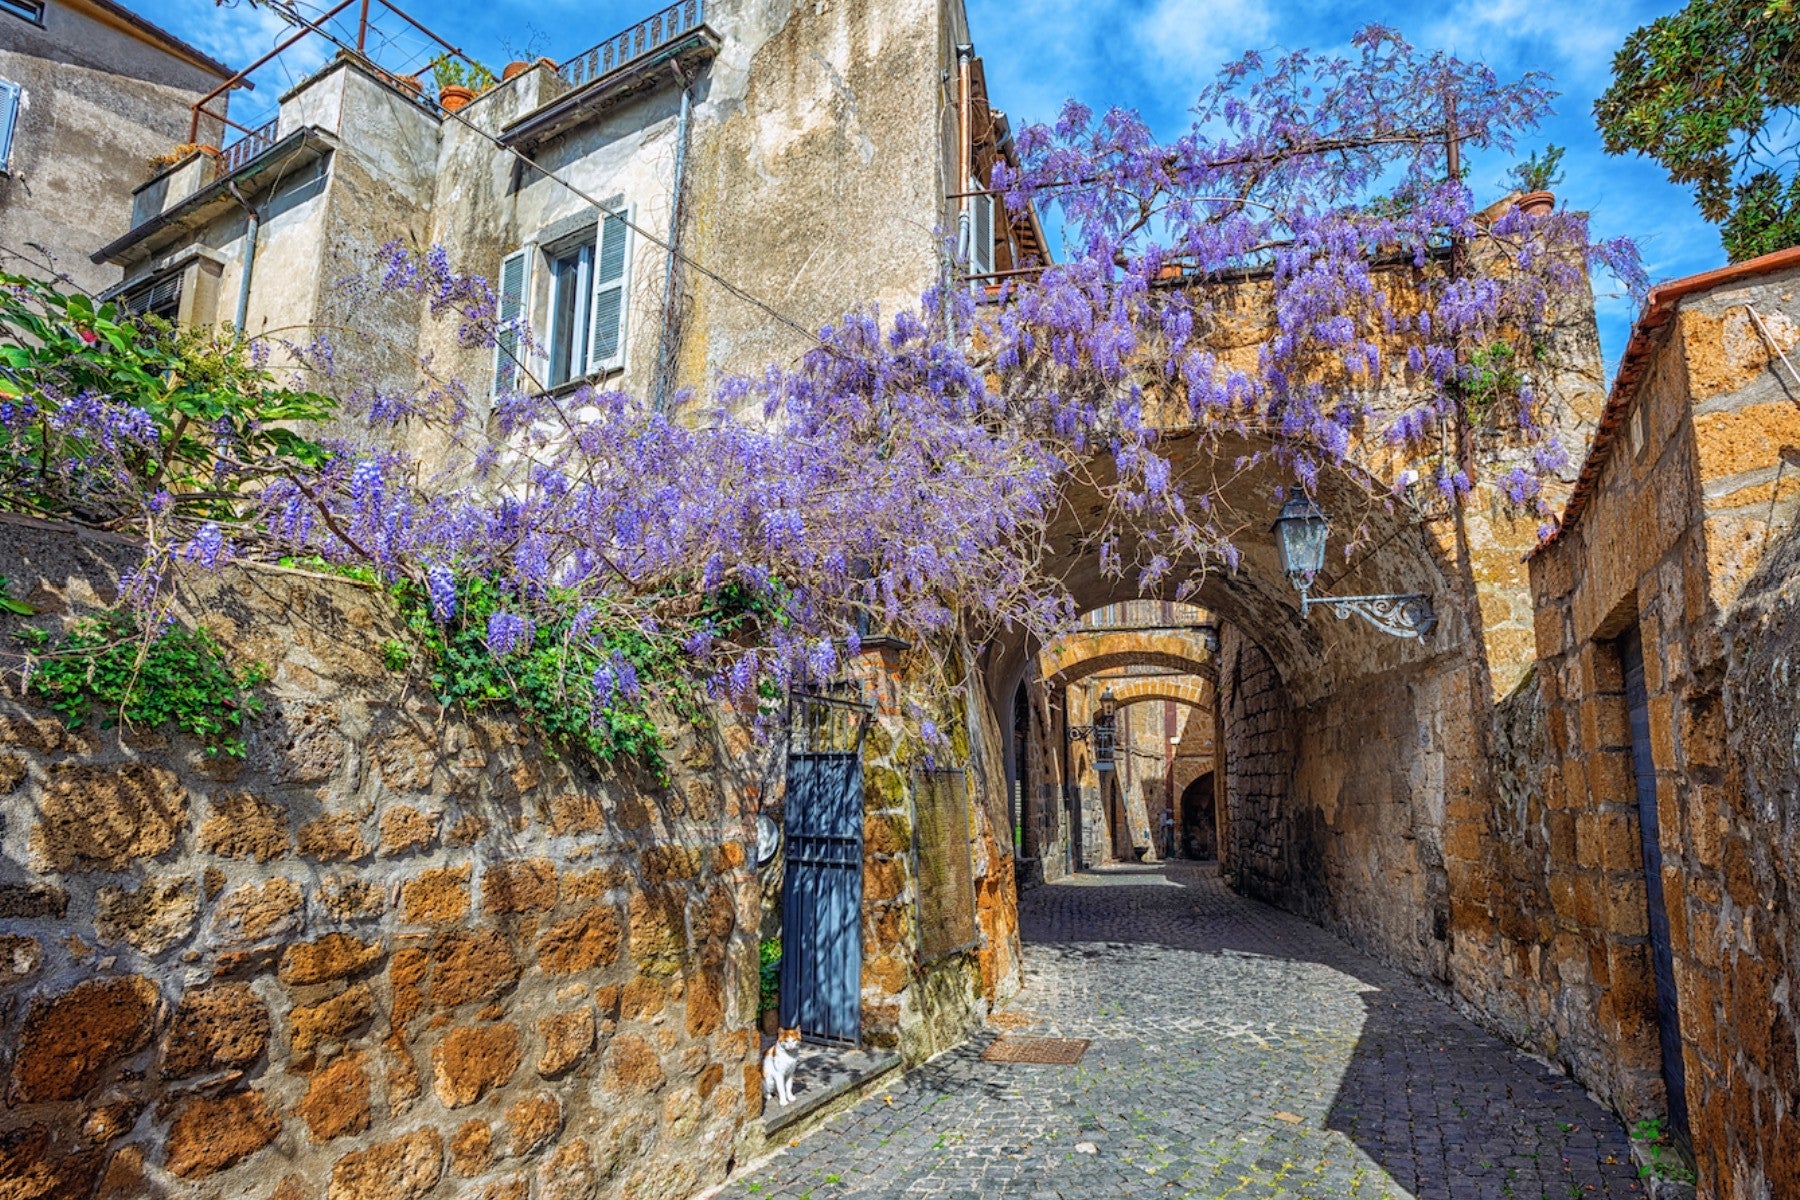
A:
(250, 232)
(964, 118)
(665, 367)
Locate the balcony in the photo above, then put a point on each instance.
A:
(626, 64)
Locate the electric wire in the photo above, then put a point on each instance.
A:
(288, 12)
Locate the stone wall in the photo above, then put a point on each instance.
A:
(390, 953)
(1682, 533)
(1255, 829)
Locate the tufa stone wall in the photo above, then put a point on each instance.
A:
(391, 953)
(1685, 538)
(1255, 827)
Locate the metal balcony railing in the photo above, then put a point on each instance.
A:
(650, 34)
(235, 156)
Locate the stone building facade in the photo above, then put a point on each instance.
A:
(1640, 852)
(623, 203)
(90, 92)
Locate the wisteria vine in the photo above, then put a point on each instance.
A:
(905, 474)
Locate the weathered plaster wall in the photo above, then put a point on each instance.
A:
(96, 103)
(1686, 537)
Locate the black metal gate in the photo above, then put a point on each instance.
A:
(1668, 1016)
(821, 897)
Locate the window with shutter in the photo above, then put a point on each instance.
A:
(9, 115)
(981, 236)
(510, 313)
(159, 298)
(612, 272)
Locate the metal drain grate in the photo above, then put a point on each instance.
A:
(1046, 1051)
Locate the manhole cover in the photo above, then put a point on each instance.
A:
(1049, 1051)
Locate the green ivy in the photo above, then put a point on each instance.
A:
(550, 683)
(768, 975)
(176, 676)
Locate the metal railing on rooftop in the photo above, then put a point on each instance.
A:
(234, 157)
(652, 33)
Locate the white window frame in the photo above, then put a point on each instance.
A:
(11, 95)
(538, 291)
(579, 333)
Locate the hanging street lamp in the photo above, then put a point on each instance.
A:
(1104, 726)
(1300, 533)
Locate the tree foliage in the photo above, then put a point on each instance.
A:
(1711, 93)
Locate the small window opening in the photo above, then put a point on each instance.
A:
(25, 10)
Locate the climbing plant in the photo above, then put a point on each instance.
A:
(575, 552)
(109, 668)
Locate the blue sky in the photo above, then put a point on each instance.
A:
(1151, 55)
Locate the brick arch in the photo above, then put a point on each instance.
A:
(1195, 691)
(1075, 656)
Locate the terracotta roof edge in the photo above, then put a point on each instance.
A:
(1659, 307)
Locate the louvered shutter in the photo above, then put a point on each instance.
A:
(981, 235)
(9, 115)
(612, 270)
(511, 310)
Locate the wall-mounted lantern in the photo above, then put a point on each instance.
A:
(1101, 731)
(1300, 533)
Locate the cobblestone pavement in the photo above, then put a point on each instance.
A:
(1237, 1051)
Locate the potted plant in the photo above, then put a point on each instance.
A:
(458, 82)
(1535, 177)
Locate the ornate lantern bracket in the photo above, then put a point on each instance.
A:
(1300, 533)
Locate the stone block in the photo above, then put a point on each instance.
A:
(69, 1043)
(591, 938)
(333, 837)
(472, 966)
(107, 818)
(532, 1122)
(527, 885)
(27, 901)
(472, 1149)
(218, 1027)
(406, 830)
(633, 1067)
(243, 825)
(257, 911)
(407, 1168)
(159, 915)
(334, 956)
(337, 1099)
(20, 958)
(471, 1060)
(439, 896)
(569, 1174)
(568, 1039)
(314, 1025)
(210, 1134)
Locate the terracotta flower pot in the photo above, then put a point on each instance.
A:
(410, 84)
(514, 69)
(1536, 204)
(453, 97)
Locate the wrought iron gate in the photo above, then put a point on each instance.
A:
(1668, 1017)
(821, 896)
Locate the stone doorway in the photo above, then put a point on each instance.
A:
(1199, 828)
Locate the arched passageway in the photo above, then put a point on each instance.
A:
(1199, 830)
(1349, 763)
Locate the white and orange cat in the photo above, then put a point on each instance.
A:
(779, 1062)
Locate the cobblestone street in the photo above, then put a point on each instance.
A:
(1237, 1051)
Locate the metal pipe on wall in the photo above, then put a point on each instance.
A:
(251, 229)
(665, 358)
